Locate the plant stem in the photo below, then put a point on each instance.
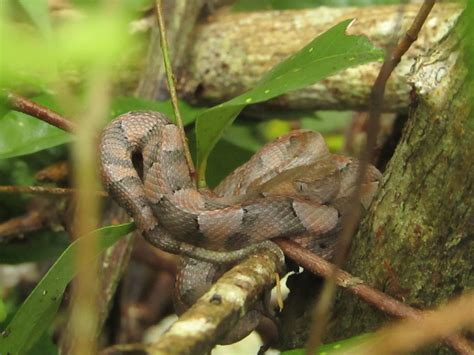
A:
(172, 88)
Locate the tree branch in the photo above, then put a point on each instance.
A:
(219, 309)
(22, 104)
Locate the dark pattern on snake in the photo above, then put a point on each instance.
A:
(293, 187)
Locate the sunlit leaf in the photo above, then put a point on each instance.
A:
(37, 312)
(29, 59)
(326, 54)
(275, 128)
(39, 14)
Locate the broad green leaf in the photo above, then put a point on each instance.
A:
(37, 312)
(21, 134)
(336, 347)
(125, 104)
(326, 54)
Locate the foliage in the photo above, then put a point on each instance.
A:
(333, 348)
(22, 134)
(39, 309)
(326, 54)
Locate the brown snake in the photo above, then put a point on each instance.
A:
(293, 187)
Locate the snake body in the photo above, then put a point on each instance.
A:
(292, 188)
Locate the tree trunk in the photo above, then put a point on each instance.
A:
(416, 243)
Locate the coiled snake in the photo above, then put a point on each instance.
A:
(293, 187)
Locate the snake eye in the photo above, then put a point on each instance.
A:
(300, 186)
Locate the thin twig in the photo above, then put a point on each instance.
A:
(45, 190)
(22, 104)
(172, 88)
(356, 286)
(321, 310)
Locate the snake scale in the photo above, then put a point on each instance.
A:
(293, 187)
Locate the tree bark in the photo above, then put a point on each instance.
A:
(416, 243)
(233, 50)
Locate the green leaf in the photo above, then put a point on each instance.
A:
(326, 54)
(327, 121)
(37, 312)
(41, 246)
(39, 14)
(337, 346)
(3, 311)
(93, 42)
(245, 135)
(44, 346)
(228, 155)
(273, 129)
(22, 134)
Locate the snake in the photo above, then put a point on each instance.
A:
(293, 187)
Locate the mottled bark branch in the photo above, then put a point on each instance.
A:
(219, 309)
(231, 52)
